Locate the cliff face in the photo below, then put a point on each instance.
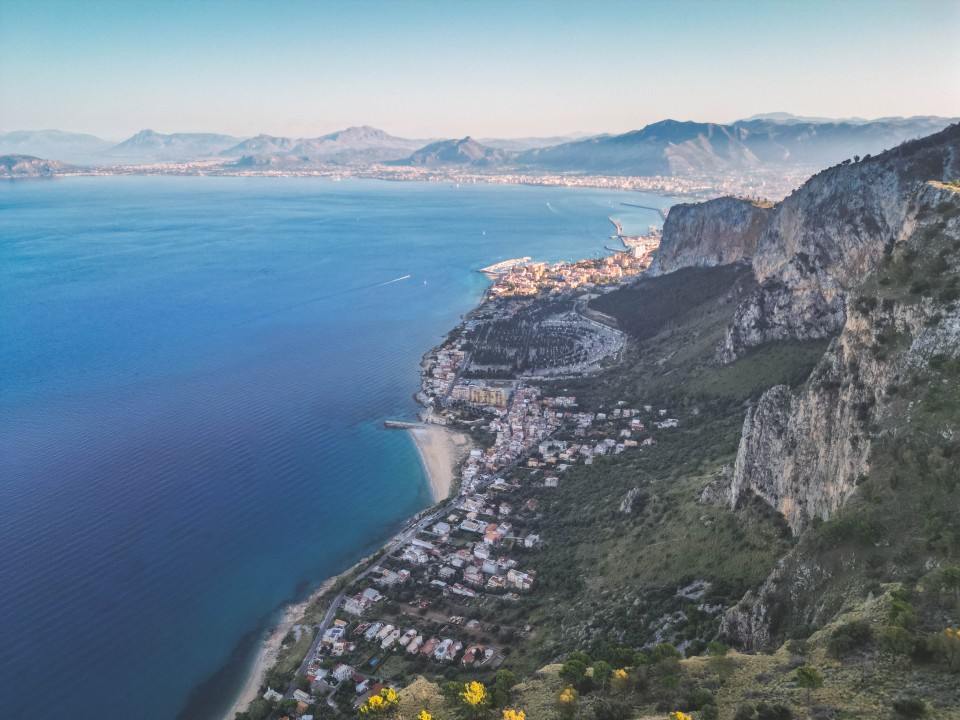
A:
(812, 248)
(805, 453)
(718, 232)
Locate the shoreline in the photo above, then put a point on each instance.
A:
(441, 450)
(270, 649)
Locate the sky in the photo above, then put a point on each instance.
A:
(449, 69)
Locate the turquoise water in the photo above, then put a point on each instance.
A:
(193, 376)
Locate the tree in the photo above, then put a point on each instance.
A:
(602, 673)
(809, 678)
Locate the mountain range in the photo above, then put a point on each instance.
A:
(669, 147)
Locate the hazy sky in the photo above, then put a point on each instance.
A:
(432, 69)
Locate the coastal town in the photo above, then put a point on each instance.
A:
(425, 604)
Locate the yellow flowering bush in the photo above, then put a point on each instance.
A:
(424, 715)
(514, 715)
(679, 716)
(474, 693)
(567, 702)
(377, 704)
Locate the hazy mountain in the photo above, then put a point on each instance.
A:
(261, 145)
(663, 148)
(785, 117)
(458, 152)
(29, 166)
(355, 144)
(529, 143)
(677, 148)
(150, 146)
(72, 147)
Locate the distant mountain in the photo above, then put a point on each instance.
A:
(680, 148)
(29, 166)
(529, 143)
(354, 144)
(71, 147)
(664, 148)
(150, 146)
(785, 117)
(458, 152)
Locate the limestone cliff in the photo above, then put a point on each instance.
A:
(806, 452)
(814, 246)
(717, 232)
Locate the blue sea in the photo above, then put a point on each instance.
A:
(194, 373)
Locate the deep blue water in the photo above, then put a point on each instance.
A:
(193, 376)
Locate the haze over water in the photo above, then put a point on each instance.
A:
(193, 376)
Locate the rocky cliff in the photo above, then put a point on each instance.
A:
(718, 232)
(806, 452)
(814, 246)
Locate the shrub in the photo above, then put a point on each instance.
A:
(697, 698)
(849, 637)
(910, 707)
(896, 640)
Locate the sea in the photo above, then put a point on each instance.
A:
(194, 374)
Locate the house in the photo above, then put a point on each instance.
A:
(458, 589)
(272, 695)
(472, 654)
(441, 651)
(532, 504)
(301, 696)
(341, 672)
(531, 540)
(413, 647)
(429, 646)
(441, 528)
(372, 631)
(390, 639)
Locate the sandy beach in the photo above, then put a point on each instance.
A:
(269, 650)
(440, 450)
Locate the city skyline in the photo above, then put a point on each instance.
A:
(428, 70)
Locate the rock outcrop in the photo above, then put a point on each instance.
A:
(804, 453)
(814, 246)
(718, 232)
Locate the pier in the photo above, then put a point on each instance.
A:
(662, 211)
(505, 266)
(402, 425)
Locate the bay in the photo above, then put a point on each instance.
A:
(193, 378)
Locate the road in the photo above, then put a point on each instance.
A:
(328, 618)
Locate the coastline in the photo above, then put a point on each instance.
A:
(440, 450)
(270, 649)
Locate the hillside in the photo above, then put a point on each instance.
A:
(354, 144)
(457, 152)
(13, 166)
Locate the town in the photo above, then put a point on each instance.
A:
(425, 604)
